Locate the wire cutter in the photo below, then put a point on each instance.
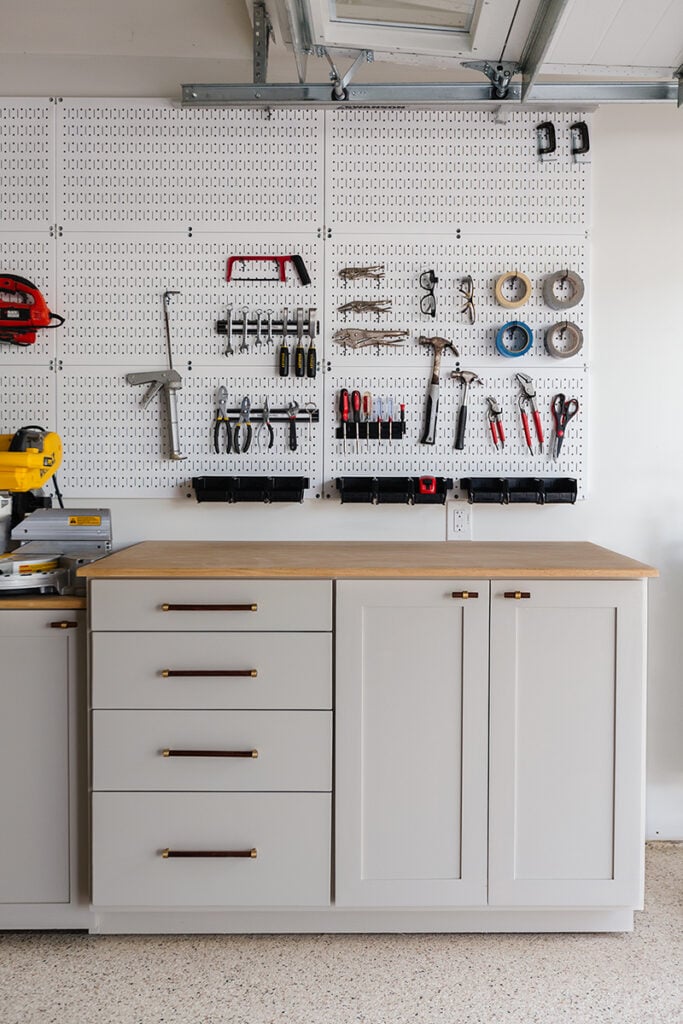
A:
(528, 400)
(496, 422)
(265, 422)
(221, 424)
(242, 435)
(564, 410)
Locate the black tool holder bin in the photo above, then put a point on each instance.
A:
(371, 431)
(390, 490)
(250, 488)
(518, 490)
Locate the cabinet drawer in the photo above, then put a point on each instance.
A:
(209, 605)
(170, 750)
(290, 833)
(293, 670)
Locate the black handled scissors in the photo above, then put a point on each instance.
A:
(564, 410)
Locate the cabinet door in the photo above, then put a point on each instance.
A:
(566, 761)
(411, 743)
(37, 680)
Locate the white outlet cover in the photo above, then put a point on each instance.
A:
(458, 521)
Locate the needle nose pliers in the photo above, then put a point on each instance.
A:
(265, 422)
(242, 435)
(222, 435)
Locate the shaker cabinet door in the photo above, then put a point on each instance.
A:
(566, 745)
(411, 743)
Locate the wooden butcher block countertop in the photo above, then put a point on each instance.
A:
(365, 560)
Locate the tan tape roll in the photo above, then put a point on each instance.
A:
(569, 277)
(566, 350)
(512, 275)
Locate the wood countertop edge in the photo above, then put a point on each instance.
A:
(449, 572)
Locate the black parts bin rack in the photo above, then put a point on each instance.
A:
(520, 490)
(392, 490)
(250, 488)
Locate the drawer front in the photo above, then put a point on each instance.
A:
(211, 605)
(290, 833)
(293, 670)
(200, 750)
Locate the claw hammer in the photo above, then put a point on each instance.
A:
(432, 410)
(467, 377)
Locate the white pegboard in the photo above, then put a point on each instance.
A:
(112, 287)
(114, 447)
(482, 257)
(31, 255)
(437, 170)
(155, 165)
(26, 164)
(408, 457)
(27, 397)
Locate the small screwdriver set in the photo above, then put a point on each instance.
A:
(365, 418)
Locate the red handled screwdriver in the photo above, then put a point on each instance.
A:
(367, 414)
(355, 407)
(344, 413)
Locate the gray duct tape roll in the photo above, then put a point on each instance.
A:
(563, 340)
(565, 300)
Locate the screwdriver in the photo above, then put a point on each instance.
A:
(355, 406)
(299, 354)
(367, 413)
(311, 355)
(344, 412)
(390, 416)
(283, 357)
(378, 417)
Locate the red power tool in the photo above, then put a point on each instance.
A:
(23, 310)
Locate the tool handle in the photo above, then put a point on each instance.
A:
(292, 434)
(431, 414)
(344, 405)
(501, 431)
(355, 405)
(170, 394)
(299, 361)
(527, 432)
(460, 432)
(283, 359)
(300, 268)
(311, 361)
(539, 426)
(493, 427)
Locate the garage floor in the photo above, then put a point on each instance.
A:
(550, 979)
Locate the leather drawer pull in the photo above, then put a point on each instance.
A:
(209, 607)
(208, 853)
(209, 753)
(517, 595)
(465, 594)
(227, 673)
(66, 624)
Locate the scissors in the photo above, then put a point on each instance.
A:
(564, 410)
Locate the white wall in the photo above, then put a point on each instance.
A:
(636, 452)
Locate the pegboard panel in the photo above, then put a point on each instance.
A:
(27, 397)
(132, 164)
(112, 287)
(26, 164)
(31, 255)
(408, 457)
(437, 170)
(484, 258)
(117, 449)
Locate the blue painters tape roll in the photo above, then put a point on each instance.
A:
(516, 327)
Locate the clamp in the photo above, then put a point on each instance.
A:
(528, 399)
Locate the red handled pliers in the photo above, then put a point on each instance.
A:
(528, 399)
(496, 422)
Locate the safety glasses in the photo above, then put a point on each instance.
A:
(428, 281)
(467, 289)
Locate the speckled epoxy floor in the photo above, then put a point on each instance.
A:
(338, 979)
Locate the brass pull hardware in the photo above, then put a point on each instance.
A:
(209, 607)
(517, 595)
(465, 594)
(63, 625)
(240, 673)
(208, 853)
(209, 753)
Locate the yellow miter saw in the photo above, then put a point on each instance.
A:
(43, 546)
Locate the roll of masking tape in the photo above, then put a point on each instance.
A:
(515, 329)
(566, 279)
(514, 276)
(563, 340)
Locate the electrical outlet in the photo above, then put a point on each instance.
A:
(459, 521)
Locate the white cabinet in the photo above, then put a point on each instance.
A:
(411, 743)
(566, 761)
(41, 752)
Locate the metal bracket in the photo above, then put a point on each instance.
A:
(263, 31)
(678, 76)
(339, 84)
(499, 74)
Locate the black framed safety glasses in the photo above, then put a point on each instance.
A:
(428, 281)
(467, 289)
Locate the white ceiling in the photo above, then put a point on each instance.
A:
(148, 47)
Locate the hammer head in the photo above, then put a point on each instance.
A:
(438, 344)
(467, 377)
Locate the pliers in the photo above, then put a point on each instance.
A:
(221, 425)
(265, 422)
(242, 435)
(528, 399)
(496, 422)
